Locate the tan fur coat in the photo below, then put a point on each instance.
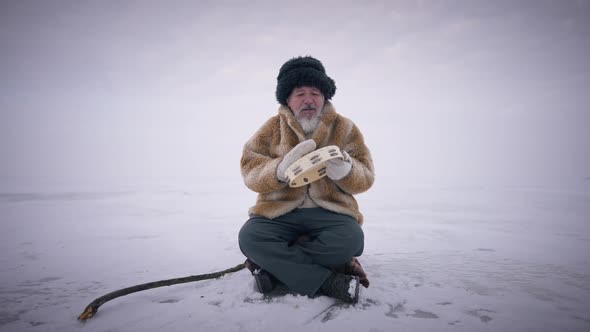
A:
(277, 136)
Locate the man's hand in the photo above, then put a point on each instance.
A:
(338, 168)
(292, 156)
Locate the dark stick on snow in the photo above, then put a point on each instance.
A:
(92, 308)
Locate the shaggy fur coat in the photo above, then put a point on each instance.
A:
(277, 136)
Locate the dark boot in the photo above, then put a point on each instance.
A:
(265, 282)
(342, 287)
(354, 268)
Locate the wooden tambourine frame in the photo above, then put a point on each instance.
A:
(312, 166)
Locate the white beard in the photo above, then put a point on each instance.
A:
(309, 125)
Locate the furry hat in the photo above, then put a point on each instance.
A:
(303, 71)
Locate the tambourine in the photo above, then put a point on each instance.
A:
(312, 166)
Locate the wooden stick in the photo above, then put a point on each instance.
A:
(92, 308)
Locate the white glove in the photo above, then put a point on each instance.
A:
(338, 168)
(292, 156)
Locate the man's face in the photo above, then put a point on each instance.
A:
(306, 103)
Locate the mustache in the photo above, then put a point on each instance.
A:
(307, 108)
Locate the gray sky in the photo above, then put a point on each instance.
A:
(470, 92)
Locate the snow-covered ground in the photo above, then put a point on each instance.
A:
(485, 258)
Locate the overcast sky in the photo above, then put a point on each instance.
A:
(445, 91)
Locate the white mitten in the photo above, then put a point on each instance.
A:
(338, 168)
(292, 156)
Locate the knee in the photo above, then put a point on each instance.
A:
(347, 241)
(357, 239)
(252, 234)
(356, 233)
(246, 235)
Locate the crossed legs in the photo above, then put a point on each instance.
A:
(334, 239)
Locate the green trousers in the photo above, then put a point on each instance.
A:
(303, 267)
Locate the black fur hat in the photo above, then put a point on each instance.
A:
(303, 71)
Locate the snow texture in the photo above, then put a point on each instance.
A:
(439, 259)
(352, 285)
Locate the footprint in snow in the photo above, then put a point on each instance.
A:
(481, 314)
(423, 314)
(169, 301)
(395, 309)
